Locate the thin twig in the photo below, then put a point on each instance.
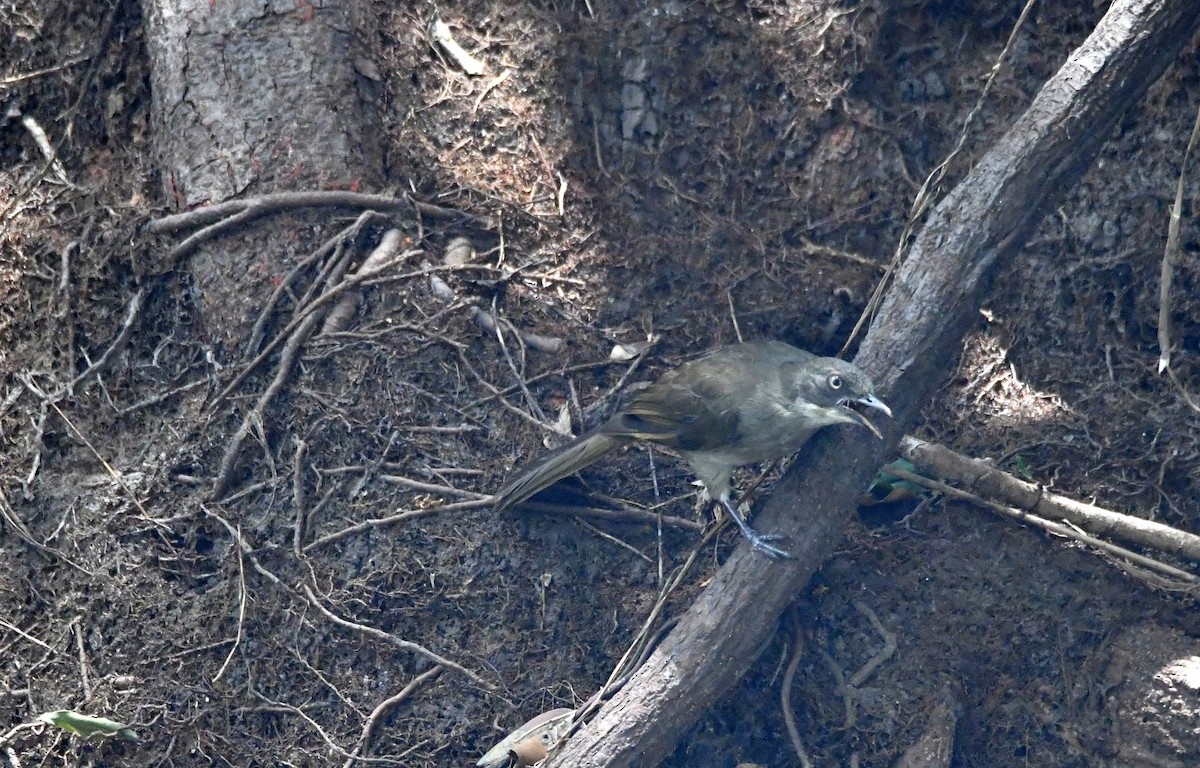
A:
(399, 517)
(638, 650)
(1053, 527)
(117, 478)
(933, 460)
(1187, 396)
(241, 619)
(404, 645)
(283, 706)
(381, 257)
(285, 201)
(257, 414)
(372, 722)
(9, 515)
(246, 549)
(885, 653)
(14, 79)
(737, 331)
(417, 485)
(83, 662)
(329, 246)
(609, 537)
(298, 496)
(785, 698)
(320, 303)
(161, 396)
(131, 313)
(562, 372)
(39, 137)
(929, 188)
(84, 87)
(518, 372)
(1170, 253)
(541, 424)
(492, 84)
(626, 514)
(297, 337)
(26, 635)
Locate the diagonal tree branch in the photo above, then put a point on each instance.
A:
(908, 351)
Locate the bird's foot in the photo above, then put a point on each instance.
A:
(761, 542)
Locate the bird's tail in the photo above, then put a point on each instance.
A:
(556, 465)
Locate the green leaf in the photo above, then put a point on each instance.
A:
(88, 726)
(887, 488)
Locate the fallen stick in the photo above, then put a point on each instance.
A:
(983, 479)
(1066, 530)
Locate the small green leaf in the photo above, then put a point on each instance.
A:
(887, 488)
(88, 726)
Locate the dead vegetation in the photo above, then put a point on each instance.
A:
(292, 558)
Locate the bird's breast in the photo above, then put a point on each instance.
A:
(766, 434)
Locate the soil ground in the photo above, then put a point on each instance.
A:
(683, 172)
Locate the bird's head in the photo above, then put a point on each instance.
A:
(832, 384)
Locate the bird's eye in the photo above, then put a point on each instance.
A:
(834, 381)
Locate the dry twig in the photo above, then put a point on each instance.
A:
(982, 478)
(340, 315)
(609, 537)
(399, 517)
(246, 549)
(16, 198)
(373, 721)
(84, 679)
(225, 217)
(440, 34)
(785, 698)
(925, 196)
(1066, 531)
(404, 645)
(299, 502)
(131, 314)
(296, 338)
(1171, 251)
(9, 516)
(241, 618)
(333, 245)
(626, 514)
(318, 304)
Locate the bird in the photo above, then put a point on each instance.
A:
(745, 403)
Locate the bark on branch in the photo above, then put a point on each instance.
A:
(995, 486)
(908, 351)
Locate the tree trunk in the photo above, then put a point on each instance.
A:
(248, 99)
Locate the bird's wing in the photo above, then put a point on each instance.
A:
(687, 413)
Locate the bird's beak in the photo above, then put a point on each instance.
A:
(874, 402)
(871, 402)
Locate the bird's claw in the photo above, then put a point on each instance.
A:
(761, 543)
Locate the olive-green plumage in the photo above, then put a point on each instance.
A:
(743, 404)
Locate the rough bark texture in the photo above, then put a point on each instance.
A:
(981, 222)
(252, 98)
(983, 478)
